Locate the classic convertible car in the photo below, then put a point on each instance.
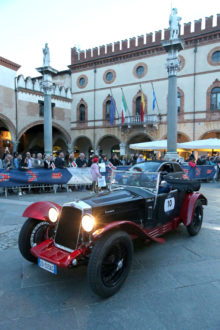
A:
(99, 230)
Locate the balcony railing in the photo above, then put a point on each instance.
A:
(130, 121)
(136, 120)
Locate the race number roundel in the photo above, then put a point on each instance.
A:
(169, 204)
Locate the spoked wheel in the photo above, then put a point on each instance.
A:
(32, 232)
(109, 263)
(196, 224)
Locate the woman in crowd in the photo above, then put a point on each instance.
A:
(95, 174)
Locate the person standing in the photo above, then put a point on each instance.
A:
(95, 174)
(17, 161)
(81, 160)
(38, 162)
(59, 161)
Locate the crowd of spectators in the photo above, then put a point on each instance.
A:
(204, 160)
(28, 160)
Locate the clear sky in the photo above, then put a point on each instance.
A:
(26, 25)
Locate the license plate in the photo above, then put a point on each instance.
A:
(47, 266)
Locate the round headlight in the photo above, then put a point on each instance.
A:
(88, 222)
(53, 214)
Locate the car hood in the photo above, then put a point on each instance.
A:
(118, 196)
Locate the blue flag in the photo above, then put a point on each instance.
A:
(112, 111)
(154, 99)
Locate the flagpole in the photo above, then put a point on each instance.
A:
(156, 98)
(125, 101)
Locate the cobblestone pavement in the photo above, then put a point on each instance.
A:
(10, 237)
(171, 286)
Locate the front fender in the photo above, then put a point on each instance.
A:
(39, 210)
(130, 227)
(188, 206)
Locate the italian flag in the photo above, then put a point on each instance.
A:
(142, 107)
(123, 109)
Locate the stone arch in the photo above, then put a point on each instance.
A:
(181, 137)
(210, 134)
(9, 125)
(107, 143)
(41, 122)
(7, 133)
(138, 138)
(82, 144)
(138, 94)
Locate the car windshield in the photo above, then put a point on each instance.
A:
(146, 166)
(149, 180)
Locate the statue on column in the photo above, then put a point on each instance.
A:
(174, 24)
(46, 52)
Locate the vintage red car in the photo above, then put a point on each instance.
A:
(98, 230)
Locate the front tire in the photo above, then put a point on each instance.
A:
(196, 224)
(32, 232)
(109, 263)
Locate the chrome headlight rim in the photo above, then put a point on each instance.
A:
(53, 214)
(88, 222)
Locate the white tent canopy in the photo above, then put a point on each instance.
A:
(208, 144)
(152, 145)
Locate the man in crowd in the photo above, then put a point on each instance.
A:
(140, 159)
(114, 160)
(59, 161)
(38, 162)
(81, 163)
(29, 159)
(17, 160)
(81, 160)
(8, 162)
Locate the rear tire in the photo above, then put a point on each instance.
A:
(196, 224)
(32, 232)
(109, 263)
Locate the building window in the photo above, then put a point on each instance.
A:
(138, 106)
(216, 57)
(109, 76)
(107, 110)
(82, 81)
(178, 102)
(41, 108)
(215, 98)
(82, 113)
(140, 70)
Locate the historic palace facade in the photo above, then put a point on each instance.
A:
(81, 99)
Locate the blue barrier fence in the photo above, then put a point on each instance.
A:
(71, 176)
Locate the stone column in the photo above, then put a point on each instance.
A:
(70, 148)
(122, 148)
(47, 85)
(172, 47)
(15, 145)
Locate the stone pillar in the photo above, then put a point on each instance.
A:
(15, 145)
(47, 85)
(172, 47)
(122, 149)
(70, 148)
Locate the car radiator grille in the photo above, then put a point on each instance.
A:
(68, 228)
